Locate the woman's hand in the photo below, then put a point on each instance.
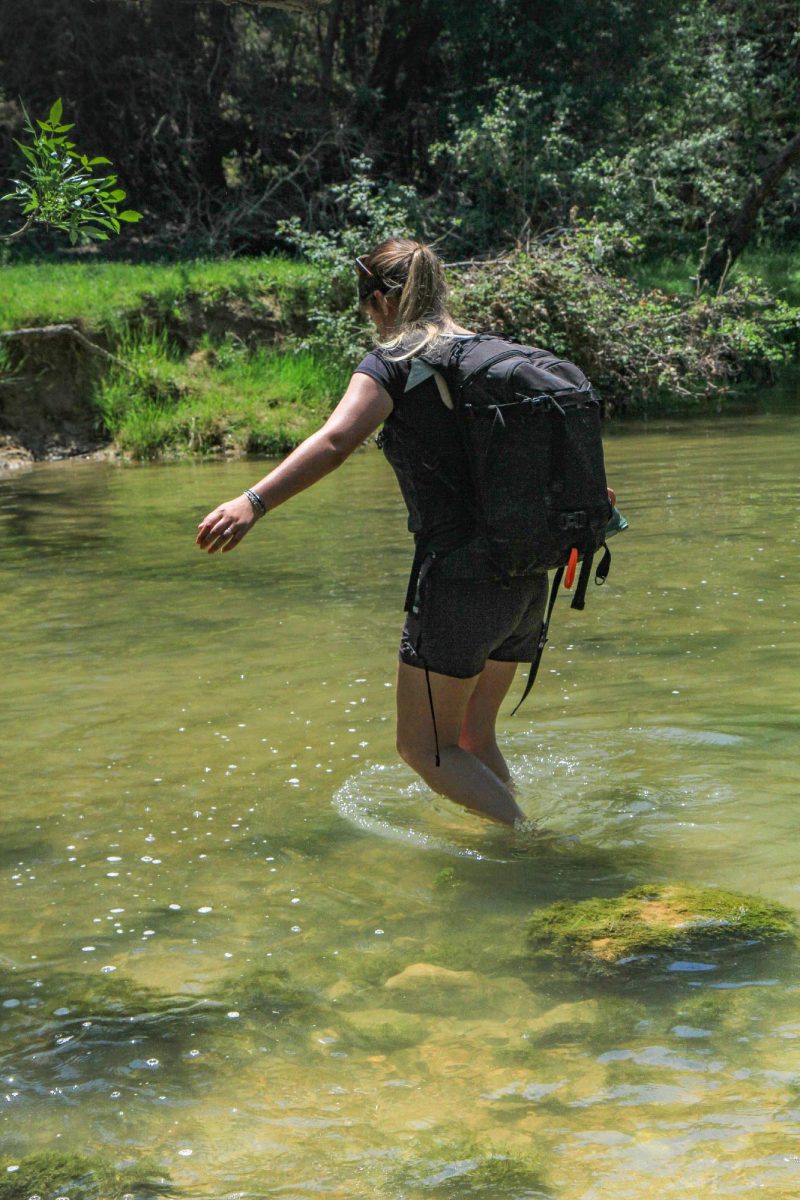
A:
(225, 527)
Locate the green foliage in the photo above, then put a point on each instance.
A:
(59, 189)
(360, 213)
(225, 398)
(642, 351)
(52, 1174)
(502, 167)
(694, 164)
(504, 117)
(670, 155)
(191, 390)
(107, 294)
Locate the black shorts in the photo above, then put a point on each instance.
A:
(462, 622)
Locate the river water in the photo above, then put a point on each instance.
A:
(211, 862)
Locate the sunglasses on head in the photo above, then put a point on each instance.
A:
(368, 282)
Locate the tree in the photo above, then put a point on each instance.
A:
(741, 227)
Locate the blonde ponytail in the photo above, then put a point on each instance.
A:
(415, 271)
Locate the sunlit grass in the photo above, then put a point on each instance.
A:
(221, 397)
(229, 396)
(105, 293)
(778, 267)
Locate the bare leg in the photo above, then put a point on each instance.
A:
(462, 775)
(478, 727)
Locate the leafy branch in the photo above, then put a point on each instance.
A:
(59, 189)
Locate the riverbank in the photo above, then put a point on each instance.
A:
(158, 360)
(220, 357)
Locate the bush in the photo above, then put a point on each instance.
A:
(641, 349)
(512, 163)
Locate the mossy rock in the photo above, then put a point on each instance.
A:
(266, 992)
(80, 996)
(650, 922)
(472, 1174)
(52, 1174)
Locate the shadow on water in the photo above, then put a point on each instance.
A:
(23, 845)
(79, 1034)
(51, 517)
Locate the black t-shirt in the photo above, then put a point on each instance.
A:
(422, 443)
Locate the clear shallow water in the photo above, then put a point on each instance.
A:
(199, 782)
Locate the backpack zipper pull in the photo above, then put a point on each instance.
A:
(569, 574)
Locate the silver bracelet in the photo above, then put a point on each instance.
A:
(259, 507)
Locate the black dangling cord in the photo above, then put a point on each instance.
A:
(601, 574)
(416, 607)
(433, 717)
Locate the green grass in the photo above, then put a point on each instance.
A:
(105, 294)
(779, 268)
(221, 397)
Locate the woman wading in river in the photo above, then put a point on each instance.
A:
(459, 651)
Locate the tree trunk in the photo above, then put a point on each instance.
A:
(307, 6)
(712, 273)
(328, 48)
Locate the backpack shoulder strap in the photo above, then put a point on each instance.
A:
(444, 390)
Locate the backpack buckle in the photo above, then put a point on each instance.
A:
(572, 520)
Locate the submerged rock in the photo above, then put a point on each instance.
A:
(383, 1029)
(649, 922)
(266, 991)
(480, 1174)
(422, 975)
(74, 997)
(53, 1174)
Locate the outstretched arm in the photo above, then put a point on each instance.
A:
(361, 410)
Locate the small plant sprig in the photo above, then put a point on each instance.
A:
(60, 191)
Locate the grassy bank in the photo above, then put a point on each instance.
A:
(216, 358)
(107, 295)
(220, 397)
(210, 349)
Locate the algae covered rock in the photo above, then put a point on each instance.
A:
(470, 1173)
(649, 922)
(53, 1174)
(266, 991)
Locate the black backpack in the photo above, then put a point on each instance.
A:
(531, 427)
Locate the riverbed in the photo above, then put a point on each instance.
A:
(212, 861)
